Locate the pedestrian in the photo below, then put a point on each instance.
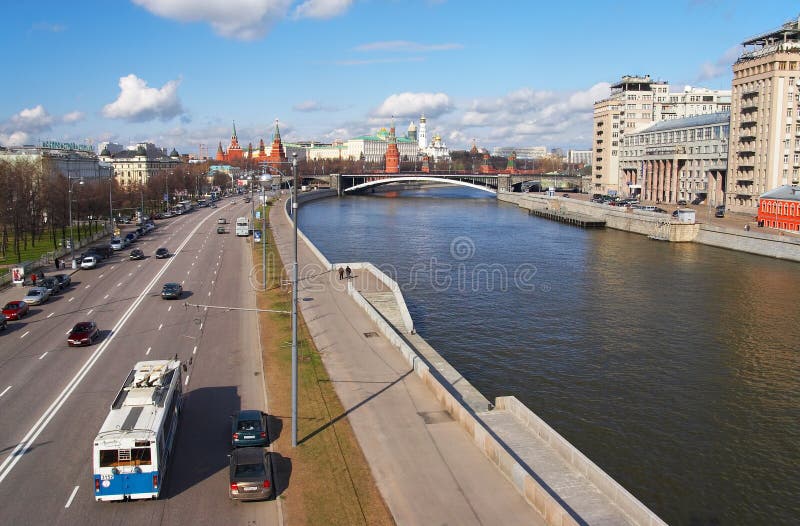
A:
(33, 279)
(57, 263)
(341, 273)
(747, 227)
(348, 271)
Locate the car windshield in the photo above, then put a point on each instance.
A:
(11, 306)
(250, 470)
(81, 327)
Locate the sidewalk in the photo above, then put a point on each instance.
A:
(426, 467)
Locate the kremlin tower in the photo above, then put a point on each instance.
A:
(234, 150)
(220, 153)
(276, 155)
(392, 154)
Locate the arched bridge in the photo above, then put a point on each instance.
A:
(358, 183)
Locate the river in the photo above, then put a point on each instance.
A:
(673, 366)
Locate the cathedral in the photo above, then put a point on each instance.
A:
(436, 149)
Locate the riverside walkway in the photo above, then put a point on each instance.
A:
(439, 451)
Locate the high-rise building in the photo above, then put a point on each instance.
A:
(765, 117)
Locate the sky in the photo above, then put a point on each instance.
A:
(178, 73)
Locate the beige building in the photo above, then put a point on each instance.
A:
(765, 117)
(637, 102)
(678, 159)
(132, 167)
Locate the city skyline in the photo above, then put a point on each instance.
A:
(177, 75)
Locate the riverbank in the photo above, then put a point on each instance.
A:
(768, 243)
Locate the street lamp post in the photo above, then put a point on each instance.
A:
(78, 180)
(294, 303)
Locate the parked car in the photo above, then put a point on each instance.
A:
(136, 254)
(36, 296)
(51, 284)
(64, 279)
(131, 237)
(682, 202)
(250, 474)
(171, 291)
(720, 211)
(83, 333)
(89, 262)
(3, 323)
(15, 310)
(222, 221)
(698, 200)
(257, 236)
(248, 428)
(117, 244)
(162, 253)
(220, 230)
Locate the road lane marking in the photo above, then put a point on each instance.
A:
(50, 314)
(148, 351)
(24, 445)
(100, 276)
(106, 296)
(119, 284)
(43, 355)
(192, 263)
(209, 293)
(88, 312)
(5, 391)
(194, 351)
(187, 380)
(72, 298)
(72, 496)
(130, 273)
(169, 308)
(87, 286)
(114, 266)
(160, 325)
(139, 265)
(188, 272)
(26, 333)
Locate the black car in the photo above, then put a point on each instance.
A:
(171, 291)
(137, 253)
(162, 253)
(51, 284)
(719, 212)
(250, 474)
(64, 279)
(248, 428)
(698, 200)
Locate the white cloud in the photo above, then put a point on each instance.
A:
(240, 19)
(413, 104)
(722, 66)
(138, 103)
(32, 119)
(17, 138)
(73, 117)
(322, 8)
(406, 46)
(312, 106)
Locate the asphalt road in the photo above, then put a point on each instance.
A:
(53, 398)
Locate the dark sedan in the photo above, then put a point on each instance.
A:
(250, 474)
(137, 253)
(83, 333)
(162, 253)
(171, 291)
(64, 279)
(248, 428)
(14, 310)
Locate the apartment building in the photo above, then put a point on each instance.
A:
(765, 117)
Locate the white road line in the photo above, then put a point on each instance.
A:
(169, 308)
(187, 376)
(87, 286)
(43, 355)
(201, 325)
(194, 351)
(209, 292)
(100, 276)
(160, 325)
(106, 296)
(148, 351)
(26, 333)
(182, 282)
(50, 314)
(5, 391)
(140, 265)
(24, 445)
(189, 271)
(114, 266)
(193, 261)
(88, 312)
(72, 496)
(71, 298)
(120, 283)
(131, 273)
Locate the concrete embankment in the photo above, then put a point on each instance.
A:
(555, 478)
(660, 226)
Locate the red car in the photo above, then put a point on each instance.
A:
(83, 333)
(15, 310)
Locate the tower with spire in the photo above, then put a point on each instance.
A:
(220, 153)
(392, 153)
(277, 153)
(234, 150)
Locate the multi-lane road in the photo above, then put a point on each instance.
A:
(53, 398)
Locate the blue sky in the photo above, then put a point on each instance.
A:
(505, 73)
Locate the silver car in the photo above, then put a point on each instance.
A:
(36, 296)
(250, 474)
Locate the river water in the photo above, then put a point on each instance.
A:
(673, 366)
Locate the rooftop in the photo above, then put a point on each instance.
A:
(709, 119)
(784, 193)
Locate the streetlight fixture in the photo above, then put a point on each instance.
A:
(294, 303)
(78, 180)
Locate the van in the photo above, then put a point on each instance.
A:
(89, 262)
(649, 208)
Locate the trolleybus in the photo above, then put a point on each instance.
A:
(132, 450)
(242, 226)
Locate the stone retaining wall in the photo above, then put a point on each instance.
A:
(772, 245)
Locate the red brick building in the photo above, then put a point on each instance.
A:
(277, 154)
(780, 208)
(234, 150)
(392, 153)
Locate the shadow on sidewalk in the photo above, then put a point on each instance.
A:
(348, 411)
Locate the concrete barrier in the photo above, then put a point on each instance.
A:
(753, 242)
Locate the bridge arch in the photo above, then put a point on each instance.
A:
(408, 178)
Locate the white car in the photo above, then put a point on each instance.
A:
(117, 244)
(36, 296)
(89, 262)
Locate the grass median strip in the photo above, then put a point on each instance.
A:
(329, 480)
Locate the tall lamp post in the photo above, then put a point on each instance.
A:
(294, 303)
(78, 180)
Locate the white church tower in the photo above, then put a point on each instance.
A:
(422, 133)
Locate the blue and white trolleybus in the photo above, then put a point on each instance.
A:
(132, 450)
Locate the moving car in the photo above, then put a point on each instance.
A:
(171, 291)
(162, 253)
(220, 230)
(83, 333)
(51, 284)
(36, 296)
(698, 200)
(89, 262)
(250, 474)
(14, 310)
(117, 244)
(137, 253)
(222, 221)
(64, 279)
(257, 236)
(248, 428)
